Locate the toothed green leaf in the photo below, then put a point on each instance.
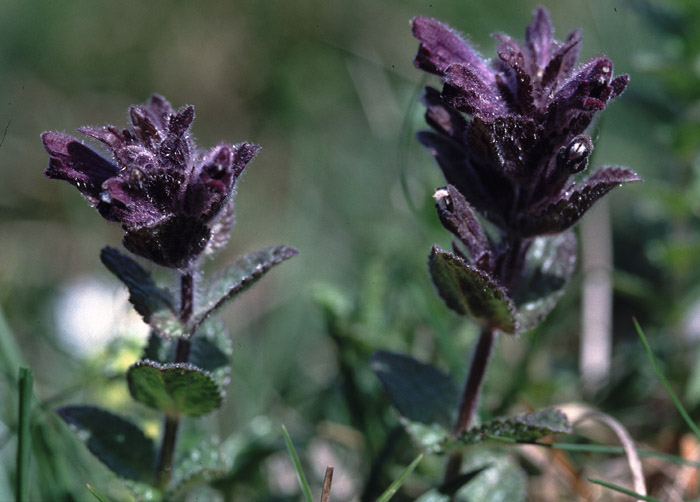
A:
(175, 389)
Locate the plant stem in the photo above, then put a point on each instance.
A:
(470, 395)
(24, 436)
(182, 354)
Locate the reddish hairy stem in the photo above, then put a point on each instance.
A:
(470, 395)
(182, 354)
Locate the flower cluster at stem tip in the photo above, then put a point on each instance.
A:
(509, 137)
(173, 200)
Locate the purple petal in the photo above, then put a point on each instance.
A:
(588, 89)
(476, 185)
(509, 144)
(539, 37)
(174, 243)
(145, 126)
(563, 60)
(520, 86)
(575, 201)
(441, 46)
(139, 198)
(458, 216)
(160, 110)
(467, 91)
(441, 117)
(176, 148)
(244, 153)
(77, 164)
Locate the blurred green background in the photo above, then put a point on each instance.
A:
(329, 90)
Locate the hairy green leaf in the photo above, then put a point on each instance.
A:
(467, 290)
(425, 397)
(238, 277)
(115, 441)
(175, 389)
(549, 263)
(153, 303)
(524, 428)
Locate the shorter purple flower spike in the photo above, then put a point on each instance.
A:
(509, 136)
(172, 200)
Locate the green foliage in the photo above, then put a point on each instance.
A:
(117, 442)
(238, 277)
(524, 428)
(155, 304)
(175, 389)
(549, 263)
(425, 397)
(467, 290)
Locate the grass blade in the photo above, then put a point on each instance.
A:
(97, 494)
(297, 465)
(618, 450)
(24, 442)
(666, 384)
(394, 487)
(623, 490)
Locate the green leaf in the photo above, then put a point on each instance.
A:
(467, 290)
(524, 428)
(549, 263)
(115, 441)
(201, 464)
(175, 389)
(425, 397)
(238, 277)
(153, 303)
(204, 351)
(503, 480)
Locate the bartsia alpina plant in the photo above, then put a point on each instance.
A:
(175, 204)
(509, 135)
(173, 200)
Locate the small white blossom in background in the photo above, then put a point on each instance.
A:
(90, 312)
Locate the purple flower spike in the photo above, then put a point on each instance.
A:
(503, 130)
(509, 136)
(173, 201)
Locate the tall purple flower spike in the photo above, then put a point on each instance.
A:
(173, 201)
(509, 136)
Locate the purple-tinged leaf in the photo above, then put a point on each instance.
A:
(171, 243)
(575, 201)
(549, 263)
(539, 37)
(458, 216)
(441, 46)
(77, 164)
(508, 143)
(238, 277)
(466, 90)
(473, 292)
(155, 305)
(563, 60)
(175, 389)
(460, 172)
(441, 117)
(115, 441)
